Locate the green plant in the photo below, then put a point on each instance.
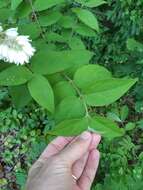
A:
(121, 163)
(24, 136)
(116, 43)
(22, 141)
(59, 75)
(128, 183)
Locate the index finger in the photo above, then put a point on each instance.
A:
(55, 147)
(60, 143)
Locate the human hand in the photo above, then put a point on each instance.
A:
(63, 159)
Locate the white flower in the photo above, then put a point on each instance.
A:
(12, 32)
(15, 48)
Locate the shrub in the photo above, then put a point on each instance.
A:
(59, 74)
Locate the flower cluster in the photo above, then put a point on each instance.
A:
(15, 48)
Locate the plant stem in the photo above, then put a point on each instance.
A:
(79, 93)
(35, 15)
(84, 103)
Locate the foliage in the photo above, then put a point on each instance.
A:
(24, 138)
(121, 164)
(78, 45)
(22, 141)
(63, 60)
(127, 183)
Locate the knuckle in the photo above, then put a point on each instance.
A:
(56, 146)
(58, 163)
(59, 160)
(54, 160)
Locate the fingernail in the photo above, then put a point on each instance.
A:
(85, 135)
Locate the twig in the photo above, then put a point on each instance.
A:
(35, 15)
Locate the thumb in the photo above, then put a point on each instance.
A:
(77, 149)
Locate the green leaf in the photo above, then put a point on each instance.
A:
(105, 127)
(94, 3)
(20, 95)
(87, 18)
(37, 147)
(69, 108)
(42, 92)
(124, 112)
(88, 75)
(140, 124)
(62, 90)
(41, 5)
(107, 91)
(130, 126)
(70, 127)
(66, 33)
(15, 3)
(4, 14)
(134, 45)
(21, 177)
(113, 116)
(140, 61)
(67, 21)
(84, 30)
(91, 3)
(30, 29)
(71, 71)
(23, 10)
(4, 3)
(15, 75)
(80, 1)
(49, 62)
(41, 44)
(76, 43)
(50, 18)
(54, 37)
(55, 78)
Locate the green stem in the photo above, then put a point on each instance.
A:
(72, 31)
(35, 15)
(84, 103)
(79, 94)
